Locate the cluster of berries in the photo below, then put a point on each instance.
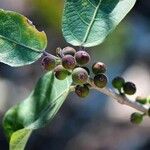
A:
(128, 88)
(72, 62)
(123, 87)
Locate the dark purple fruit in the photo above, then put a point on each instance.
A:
(68, 62)
(98, 68)
(82, 57)
(48, 63)
(129, 88)
(82, 90)
(79, 76)
(100, 80)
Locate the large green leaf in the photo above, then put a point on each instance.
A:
(38, 109)
(88, 22)
(20, 42)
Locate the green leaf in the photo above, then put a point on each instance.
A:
(36, 111)
(20, 42)
(88, 22)
(19, 139)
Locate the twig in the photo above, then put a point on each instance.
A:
(122, 99)
(48, 54)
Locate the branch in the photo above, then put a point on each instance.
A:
(48, 54)
(122, 99)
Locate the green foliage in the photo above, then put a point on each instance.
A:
(36, 111)
(20, 42)
(50, 10)
(87, 23)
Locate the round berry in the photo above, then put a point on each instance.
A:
(82, 90)
(118, 82)
(79, 76)
(100, 80)
(48, 63)
(68, 62)
(82, 57)
(68, 51)
(60, 72)
(136, 118)
(98, 68)
(129, 88)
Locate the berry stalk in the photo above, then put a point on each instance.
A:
(122, 99)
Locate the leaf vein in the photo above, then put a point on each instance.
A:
(91, 23)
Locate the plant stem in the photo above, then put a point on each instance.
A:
(122, 99)
(48, 54)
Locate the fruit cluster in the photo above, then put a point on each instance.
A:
(72, 62)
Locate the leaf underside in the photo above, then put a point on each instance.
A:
(36, 111)
(20, 42)
(88, 22)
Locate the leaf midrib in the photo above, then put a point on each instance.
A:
(27, 47)
(46, 109)
(91, 23)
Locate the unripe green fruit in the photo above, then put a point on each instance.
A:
(79, 76)
(60, 72)
(129, 88)
(141, 100)
(68, 62)
(118, 82)
(136, 118)
(100, 80)
(82, 90)
(98, 68)
(48, 63)
(68, 51)
(82, 57)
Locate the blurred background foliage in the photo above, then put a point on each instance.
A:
(50, 11)
(95, 123)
